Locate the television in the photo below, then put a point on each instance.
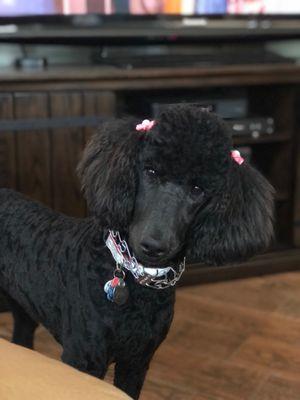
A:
(103, 21)
(139, 7)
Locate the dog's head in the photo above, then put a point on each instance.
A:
(175, 189)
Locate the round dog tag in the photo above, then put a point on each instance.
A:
(121, 293)
(116, 290)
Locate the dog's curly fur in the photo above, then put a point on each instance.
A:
(54, 267)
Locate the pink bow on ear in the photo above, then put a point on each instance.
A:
(145, 126)
(236, 156)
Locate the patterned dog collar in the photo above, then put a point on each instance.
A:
(156, 278)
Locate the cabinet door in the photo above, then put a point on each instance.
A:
(68, 143)
(40, 159)
(33, 148)
(98, 104)
(8, 170)
(297, 196)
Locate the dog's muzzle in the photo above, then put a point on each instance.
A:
(155, 278)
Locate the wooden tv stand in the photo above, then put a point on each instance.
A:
(40, 161)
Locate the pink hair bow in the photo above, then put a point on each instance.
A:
(145, 126)
(236, 156)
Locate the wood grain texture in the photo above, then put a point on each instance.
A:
(237, 340)
(296, 197)
(111, 78)
(277, 388)
(100, 104)
(91, 72)
(67, 147)
(33, 148)
(8, 170)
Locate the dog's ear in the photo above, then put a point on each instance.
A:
(236, 223)
(108, 173)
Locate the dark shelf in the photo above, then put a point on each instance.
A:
(284, 259)
(275, 138)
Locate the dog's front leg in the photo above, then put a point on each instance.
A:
(130, 376)
(88, 362)
(24, 326)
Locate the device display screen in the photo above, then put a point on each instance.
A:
(144, 7)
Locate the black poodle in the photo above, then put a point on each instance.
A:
(172, 189)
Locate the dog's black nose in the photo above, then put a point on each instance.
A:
(152, 248)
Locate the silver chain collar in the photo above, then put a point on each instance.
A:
(155, 278)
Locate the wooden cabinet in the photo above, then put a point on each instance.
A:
(41, 163)
(47, 117)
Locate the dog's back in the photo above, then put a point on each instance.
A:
(33, 250)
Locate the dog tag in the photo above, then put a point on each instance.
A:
(116, 291)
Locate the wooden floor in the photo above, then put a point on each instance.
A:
(237, 340)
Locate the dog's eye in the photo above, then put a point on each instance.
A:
(196, 190)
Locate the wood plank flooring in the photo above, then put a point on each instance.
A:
(237, 340)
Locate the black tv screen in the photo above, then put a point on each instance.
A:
(9, 8)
